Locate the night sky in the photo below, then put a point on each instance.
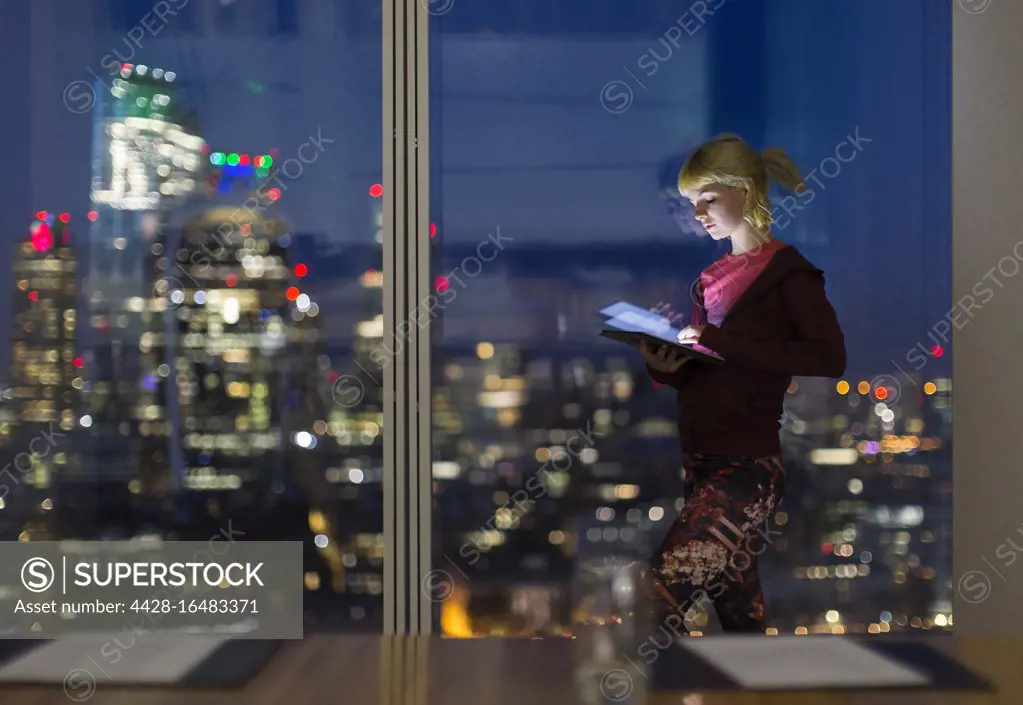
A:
(520, 135)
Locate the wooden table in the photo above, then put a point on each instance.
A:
(375, 670)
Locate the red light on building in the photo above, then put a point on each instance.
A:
(41, 215)
(376, 190)
(244, 160)
(937, 351)
(78, 362)
(33, 296)
(273, 194)
(93, 215)
(301, 270)
(827, 548)
(442, 284)
(231, 280)
(245, 229)
(65, 217)
(881, 393)
(433, 230)
(293, 293)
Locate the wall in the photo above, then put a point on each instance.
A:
(987, 211)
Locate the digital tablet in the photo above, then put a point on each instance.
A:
(635, 338)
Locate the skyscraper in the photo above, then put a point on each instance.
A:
(45, 372)
(45, 362)
(146, 161)
(233, 322)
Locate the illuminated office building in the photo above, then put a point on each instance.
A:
(146, 162)
(232, 320)
(45, 375)
(45, 363)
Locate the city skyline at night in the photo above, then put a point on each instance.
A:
(219, 285)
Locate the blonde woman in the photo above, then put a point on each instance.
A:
(763, 308)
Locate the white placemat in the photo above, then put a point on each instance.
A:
(771, 663)
(112, 658)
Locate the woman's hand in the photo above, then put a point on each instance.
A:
(690, 334)
(663, 358)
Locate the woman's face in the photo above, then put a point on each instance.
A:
(719, 208)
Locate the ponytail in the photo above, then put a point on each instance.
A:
(781, 169)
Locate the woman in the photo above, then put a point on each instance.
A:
(763, 308)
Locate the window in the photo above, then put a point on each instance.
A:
(220, 207)
(556, 155)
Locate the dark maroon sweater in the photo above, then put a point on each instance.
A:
(782, 326)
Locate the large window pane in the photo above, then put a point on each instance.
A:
(558, 129)
(195, 279)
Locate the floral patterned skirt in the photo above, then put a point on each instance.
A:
(710, 553)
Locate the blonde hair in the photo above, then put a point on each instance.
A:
(729, 160)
